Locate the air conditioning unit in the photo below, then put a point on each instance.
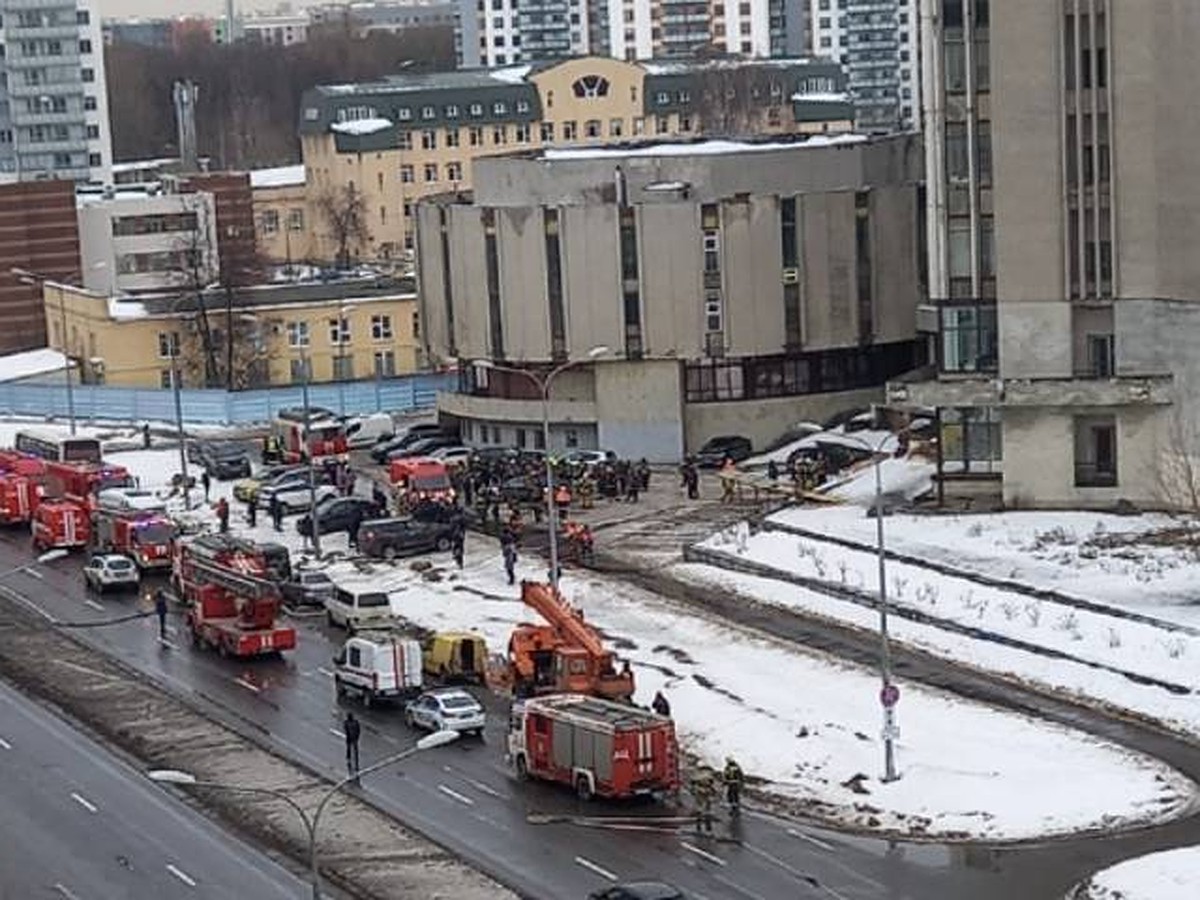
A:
(791, 276)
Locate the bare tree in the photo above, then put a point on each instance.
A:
(344, 210)
(197, 251)
(1178, 470)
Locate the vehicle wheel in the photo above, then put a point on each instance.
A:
(339, 688)
(368, 699)
(477, 732)
(408, 720)
(443, 544)
(583, 788)
(522, 768)
(329, 619)
(389, 553)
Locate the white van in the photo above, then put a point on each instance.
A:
(355, 608)
(378, 665)
(366, 431)
(126, 500)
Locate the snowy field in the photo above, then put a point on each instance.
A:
(802, 724)
(1170, 875)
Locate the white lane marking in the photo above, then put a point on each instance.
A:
(33, 573)
(340, 734)
(5, 745)
(703, 854)
(94, 604)
(461, 798)
(816, 842)
(26, 602)
(84, 802)
(593, 867)
(66, 892)
(325, 672)
(181, 875)
(247, 685)
(167, 643)
(475, 783)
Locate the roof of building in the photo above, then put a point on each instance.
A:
(267, 296)
(279, 176)
(696, 148)
(29, 363)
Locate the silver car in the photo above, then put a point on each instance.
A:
(448, 709)
(110, 570)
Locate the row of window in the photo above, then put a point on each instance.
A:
(340, 331)
(548, 132)
(300, 370)
(32, 49)
(269, 220)
(48, 18)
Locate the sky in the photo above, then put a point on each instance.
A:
(115, 9)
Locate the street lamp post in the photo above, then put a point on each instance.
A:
(313, 821)
(543, 385)
(315, 532)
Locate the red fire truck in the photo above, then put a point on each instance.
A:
(419, 479)
(326, 436)
(59, 524)
(20, 486)
(232, 606)
(63, 517)
(144, 536)
(600, 747)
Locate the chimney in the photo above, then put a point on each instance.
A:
(185, 95)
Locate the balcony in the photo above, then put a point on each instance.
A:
(15, 32)
(19, 117)
(46, 89)
(1148, 390)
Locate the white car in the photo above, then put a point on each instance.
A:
(294, 496)
(110, 570)
(448, 709)
(129, 500)
(452, 456)
(371, 429)
(588, 458)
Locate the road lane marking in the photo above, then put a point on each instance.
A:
(93, 604)
(62, 889)
(816, 842)
(325, 672)
(461, 798)
(702, 853)
(337, 733)
(84, 802)
(593, 867)
(33, 573)
(181, 875)
(26, 602)
(254, 688)
(475, 783)
(5, 745)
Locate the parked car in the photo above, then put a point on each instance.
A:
(246, 489)
(403, 536)
(423, 447)
(224, 461)
(369, 430)
(588, 458)
(336, 513)
(718, 449)
(129, 500)
(489, 455)
(111, 570)
(295, 495)
(455, 455)
(519, 492)
(639, 890)
(382, 450)
(307, 589)
(357, 607)
(446, 709)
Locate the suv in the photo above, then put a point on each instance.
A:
(404, 536)
(718, 449)
(224, 461)
(336, 513)
(109, 570)
(307, 589)
(354, 608)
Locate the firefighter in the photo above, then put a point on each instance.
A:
(728, 471)
(643, 474)
(276, 511)
(509, 549)
(222, 514)
(562, 499)
(733, 778)
(160, 610)
(773, 470)
(585, 487)
(251, 512)
(703, 792)
(661, 704)
(457, 541)
(146, 436)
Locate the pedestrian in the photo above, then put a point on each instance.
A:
(661, 705)
(276, 512)
(643, 474)
(223, 514)
(457, 541)
(633, 485)
(160, 610)
(146, 436)
(352, 730)
(773, 470)
(509, 549)
(728, 472)
(206, 483)
(352, 528)
(252, 512)
(379, 498)
(351, 480)
(733, 778)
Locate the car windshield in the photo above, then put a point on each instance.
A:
(458, 702)
(229, 453)
(430, 482)
(372, 600)
(154, 533)
(119, 563)
(315, 578)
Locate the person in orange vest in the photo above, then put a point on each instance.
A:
(562, 499)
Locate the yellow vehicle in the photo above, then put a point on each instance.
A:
(456, 656)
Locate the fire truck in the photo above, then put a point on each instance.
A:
(325, 436)
(20, 486)
(144, 536)
(419, 480)
(62, 519)
(599, 747)
(232, 605)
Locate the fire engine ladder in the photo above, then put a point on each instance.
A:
(555, 610)
(242, 585)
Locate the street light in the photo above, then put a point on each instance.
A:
(187, 779)
(543, 384)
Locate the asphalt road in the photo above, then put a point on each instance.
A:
(76, 822)
(539, 839)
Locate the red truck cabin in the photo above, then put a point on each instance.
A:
(422, 479)
(60, 523)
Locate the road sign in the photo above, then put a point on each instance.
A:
(891, 733)
(889, 696)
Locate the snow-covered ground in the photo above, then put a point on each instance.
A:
(1169, 875)
(802, 724)
(1124, 561)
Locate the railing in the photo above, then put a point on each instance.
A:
(108, 403)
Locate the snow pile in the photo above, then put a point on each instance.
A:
(280, 176)
(30, 363)
(119, 308)
(1170, 875)
(361, 126)
(909, 478)
(701, 148)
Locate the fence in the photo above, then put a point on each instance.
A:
(412, 392)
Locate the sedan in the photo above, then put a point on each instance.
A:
(307, 589)
(338, 514)
(294, 494)
(453, 456)
(405, 536)
(639, 890)
(247, 488)
(448, 709)
(110, 570)
(225, 461)
(423, 447)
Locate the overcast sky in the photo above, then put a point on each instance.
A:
(114, 9)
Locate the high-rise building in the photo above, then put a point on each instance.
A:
(500, 32)
(878, 41)
(1064, 285)
(53, 98)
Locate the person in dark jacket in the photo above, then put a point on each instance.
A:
(352, 730)
(276, 512)
(457, 543)
(509, 549)
(206, 483)
(223, 515)
(661, 705)
(160, 610)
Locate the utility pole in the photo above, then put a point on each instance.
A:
(305, 362)
(183, 466)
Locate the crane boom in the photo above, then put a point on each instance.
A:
(562, 616)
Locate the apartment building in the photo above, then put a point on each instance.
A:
(1063, 276)
(276, 30)
(410, 136)
(728, 288)
(53, 95)
(879, 43)
(282, 220)
(501, 32)
(331, 331)
(394, 17)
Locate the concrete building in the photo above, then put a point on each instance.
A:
(739, 288)
(397, 140)
(879, 43)
(53, 95)
(339, 330)
(502, 32)
(276, 30)
(282, 220)
(393, 17)
(1063, 294)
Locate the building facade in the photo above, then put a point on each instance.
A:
(1063, 294)
(879, 43)
(334, 331)
(282, 218)
(53, 96)
(730, 288)
(396, 141)
(276, 30)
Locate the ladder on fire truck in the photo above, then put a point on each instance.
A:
(207, 572)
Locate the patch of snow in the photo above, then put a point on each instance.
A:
(511, 74)
(822, 97)
(361, 126)
(1169, 875)
(280, 176)
(122, 308)
(700, 148)
(29, 363)
(909, 478)
(666, 186)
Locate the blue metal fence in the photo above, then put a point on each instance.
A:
(405, 394)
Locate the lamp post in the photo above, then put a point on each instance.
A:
(313, 821)
(35, 280)
(543, 383)
(305, 363)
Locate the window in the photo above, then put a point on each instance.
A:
(85, 46)
(454, 171)
(416, 325)
(477, 109)
(339, 331)
(89, 104)
(546, 130)
(431, 172)
(429, 140)
(270, 221)
(404, 140)
(381, 328)
(451, 138)
(591, 128)
(475, 136)
(406, 174)
(343, 367)
(168, 344)
(82, 17)
(662, 98)
(968, 339)
(522, 106)
(499, 134)
(972, 440)
(1095, 451)
(297, 333)
(385, 364)
(451, 112)
(295, 219)
(301, 370)
(166, 379)
(499, 108)
(1100, 355)
(88, 75)
(521, 134)
(428, 112)
(590, 87)
(569, 131)
(403, 113)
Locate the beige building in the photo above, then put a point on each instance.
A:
(340, 331)
(411, 136)
(737, 288)
(1063, 183)
(282, 217)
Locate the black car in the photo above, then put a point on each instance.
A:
(224, 461)
(423, 447)
(278, 560)
(307, 589)
(729, 446)
(404, 536)
(337, 514)
(639, 890)
(383, 450)
(520, 492)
